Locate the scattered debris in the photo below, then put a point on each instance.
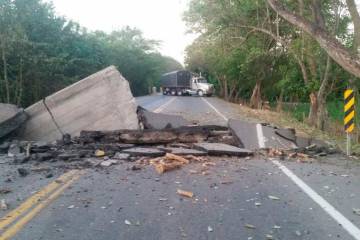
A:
(273, 197)
(3, 205)
(108, 163)
(99, 153)
(5, 191)
(185, 193)
(356, 211)
(210, 229)
(127, 222)
(249, 226)
(23, 172)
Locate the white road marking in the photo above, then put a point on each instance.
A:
(325, 205)
(217, 111)
(260, 135)
(162, 107)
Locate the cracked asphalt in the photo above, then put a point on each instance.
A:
(118, 203)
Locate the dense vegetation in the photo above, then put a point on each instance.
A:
(269, 50)
(41, 53)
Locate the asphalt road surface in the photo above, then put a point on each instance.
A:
(236, 199)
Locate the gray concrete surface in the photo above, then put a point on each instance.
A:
(232, 194)
(102, 101)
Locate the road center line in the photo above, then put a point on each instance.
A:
(162, 107)
(35, 199)
(353, 230)
(214, 108)
(325, 205)
(13, 230)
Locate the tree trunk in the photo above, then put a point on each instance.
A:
(5, 72)
(226, 90)
(328, 42)
(255, 100)
(279, 105)
(313, 109)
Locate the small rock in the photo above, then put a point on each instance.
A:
(21, 158)
(276, 227)
(136, 168)
(3, 205)
(356, 211)
(250, 226)
(49, 175)
(108, 163)
(42, 157)
(71, 207)
(14, 149)
(257, 204)
(273, 197)
(99, 153)
(23, 172)
(127, 222)
(121, 156)
(210, 229)
(269, 237)
(298, 233)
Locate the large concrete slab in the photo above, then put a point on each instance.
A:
(218, 149)
(11, 117)
(152, 120)
(102, 101)
(247, 134)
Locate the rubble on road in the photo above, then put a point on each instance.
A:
(11, 118)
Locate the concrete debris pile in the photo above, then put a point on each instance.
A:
(87, 116)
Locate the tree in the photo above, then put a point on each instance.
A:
(327, 41)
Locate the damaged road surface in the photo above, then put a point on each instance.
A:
(177, 180)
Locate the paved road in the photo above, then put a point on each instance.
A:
(234, 193)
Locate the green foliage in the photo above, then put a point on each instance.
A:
(45, 53)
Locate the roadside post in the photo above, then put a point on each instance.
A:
(349, 115)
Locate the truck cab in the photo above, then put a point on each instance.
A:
(201, 87)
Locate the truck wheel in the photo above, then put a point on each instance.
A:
(179, 93)
(173, 92)
(200, 93)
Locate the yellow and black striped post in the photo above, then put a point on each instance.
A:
(349, 110)
(349, 117)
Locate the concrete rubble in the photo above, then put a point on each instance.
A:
(96, 123)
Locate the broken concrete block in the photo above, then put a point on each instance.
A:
(102, 101)
(11, 118)
(183, 151)
(219, 149)
(245, 133)
(151, 120)
(255, 135)
(148, 152)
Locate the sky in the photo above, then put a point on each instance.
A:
(157, 19)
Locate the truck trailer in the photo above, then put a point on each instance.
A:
(185, 83)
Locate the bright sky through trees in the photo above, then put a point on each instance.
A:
(157, 19)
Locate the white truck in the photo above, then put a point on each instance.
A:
(185, 83)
